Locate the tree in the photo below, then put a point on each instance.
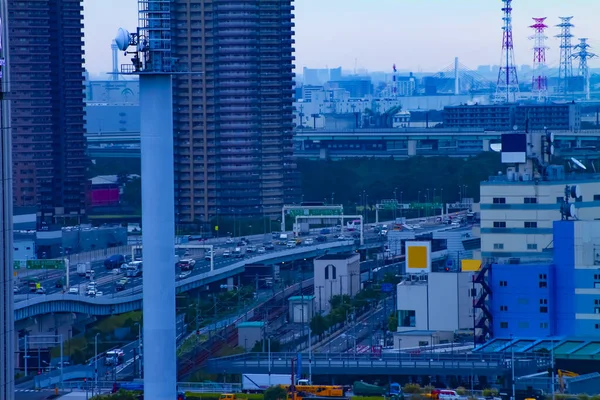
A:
(393, 323)
(318, 325)
(258, 346)
(275, 393)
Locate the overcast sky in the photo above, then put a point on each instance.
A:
(418, 35)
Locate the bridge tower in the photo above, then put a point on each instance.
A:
(153, 62)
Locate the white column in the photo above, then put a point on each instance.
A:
(158, 221)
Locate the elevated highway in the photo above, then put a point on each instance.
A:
(131, 299)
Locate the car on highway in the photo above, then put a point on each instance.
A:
(261, 250)
(321, 238)
(185, 274)
(40, 290)
(309, 242)
(325, 231)
(226, 253)
(91, 293)
(121, 284)
(209, 255)
(268, 246)
(342, 237)
(291, 243)
(187, 264)
(59, 284)
(229, 241)
(74, 290)
(250, 249)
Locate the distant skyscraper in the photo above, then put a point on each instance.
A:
(47, 121)
(233, 122)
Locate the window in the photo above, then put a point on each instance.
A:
(543, 281)
(501, 224)
(530, 200)
(407, 318)
(531, 246)
(498, 246)
(544, 325)
(499, 200)
(544, 309)
(530, 224)
(596, 310)
(503, 283)
(504, 325)
(503, 308)
(597, 197)
(543, 301)
(330, 270)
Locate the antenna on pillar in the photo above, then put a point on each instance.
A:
(115, 60)
(584, 55)
(507, 88)
(539, 84)
(565, 70)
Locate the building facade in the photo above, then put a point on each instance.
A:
(435, 301)
(494, 117)
(561, 298)
(233, 122)
(335, 274)
(47, 121)
(517, 214)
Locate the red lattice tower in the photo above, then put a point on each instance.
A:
(507, 88)
(539, 84)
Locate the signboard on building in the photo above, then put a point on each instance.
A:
(418, 257)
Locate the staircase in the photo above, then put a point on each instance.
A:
(483, 324)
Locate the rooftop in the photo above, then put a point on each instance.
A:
(301, 298)
(570, 347)
(251, 324)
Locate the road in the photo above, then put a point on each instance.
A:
(106, 280)
(364, 328)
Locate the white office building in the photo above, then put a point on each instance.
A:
(517, 212)
(335, 274)
(435, 301)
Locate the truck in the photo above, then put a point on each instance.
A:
(83, 269)
(258, 383)
(360, 388)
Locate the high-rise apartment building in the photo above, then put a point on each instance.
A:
(233, 113)
(47, 99)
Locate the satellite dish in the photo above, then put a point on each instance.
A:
(572, 211)
(515, 128)
(575, 191)
(497, 147)
(578, 163)
(122, 39)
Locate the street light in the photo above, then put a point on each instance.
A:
(96, 361)
(139, 347)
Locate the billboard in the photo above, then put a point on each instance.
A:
(418, 257)
(105, 197)
(470, 265)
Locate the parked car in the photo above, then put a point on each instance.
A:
(321, 238)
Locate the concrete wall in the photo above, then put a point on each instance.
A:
(249, 335)
(24, 249)
(345, 279)
(412, 297)
(301, 312)
(87, 239)
(414, 339)
(450, 305)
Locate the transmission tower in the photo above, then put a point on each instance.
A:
(507, 87)
(565, 71)
(539, 84)
(582, 53)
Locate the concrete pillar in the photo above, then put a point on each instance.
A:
(412, 147)
(230, 283)
(158, 220)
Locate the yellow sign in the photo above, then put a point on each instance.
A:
(417, 256)
(470, 265)
(216, 227)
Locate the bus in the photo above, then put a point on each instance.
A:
(353, 225)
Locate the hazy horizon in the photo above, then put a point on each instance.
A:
(374, 35)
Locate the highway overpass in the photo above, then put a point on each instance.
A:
(131, 299)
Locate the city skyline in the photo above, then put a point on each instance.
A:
(369, 46)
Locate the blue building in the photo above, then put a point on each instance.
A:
(561, 299)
